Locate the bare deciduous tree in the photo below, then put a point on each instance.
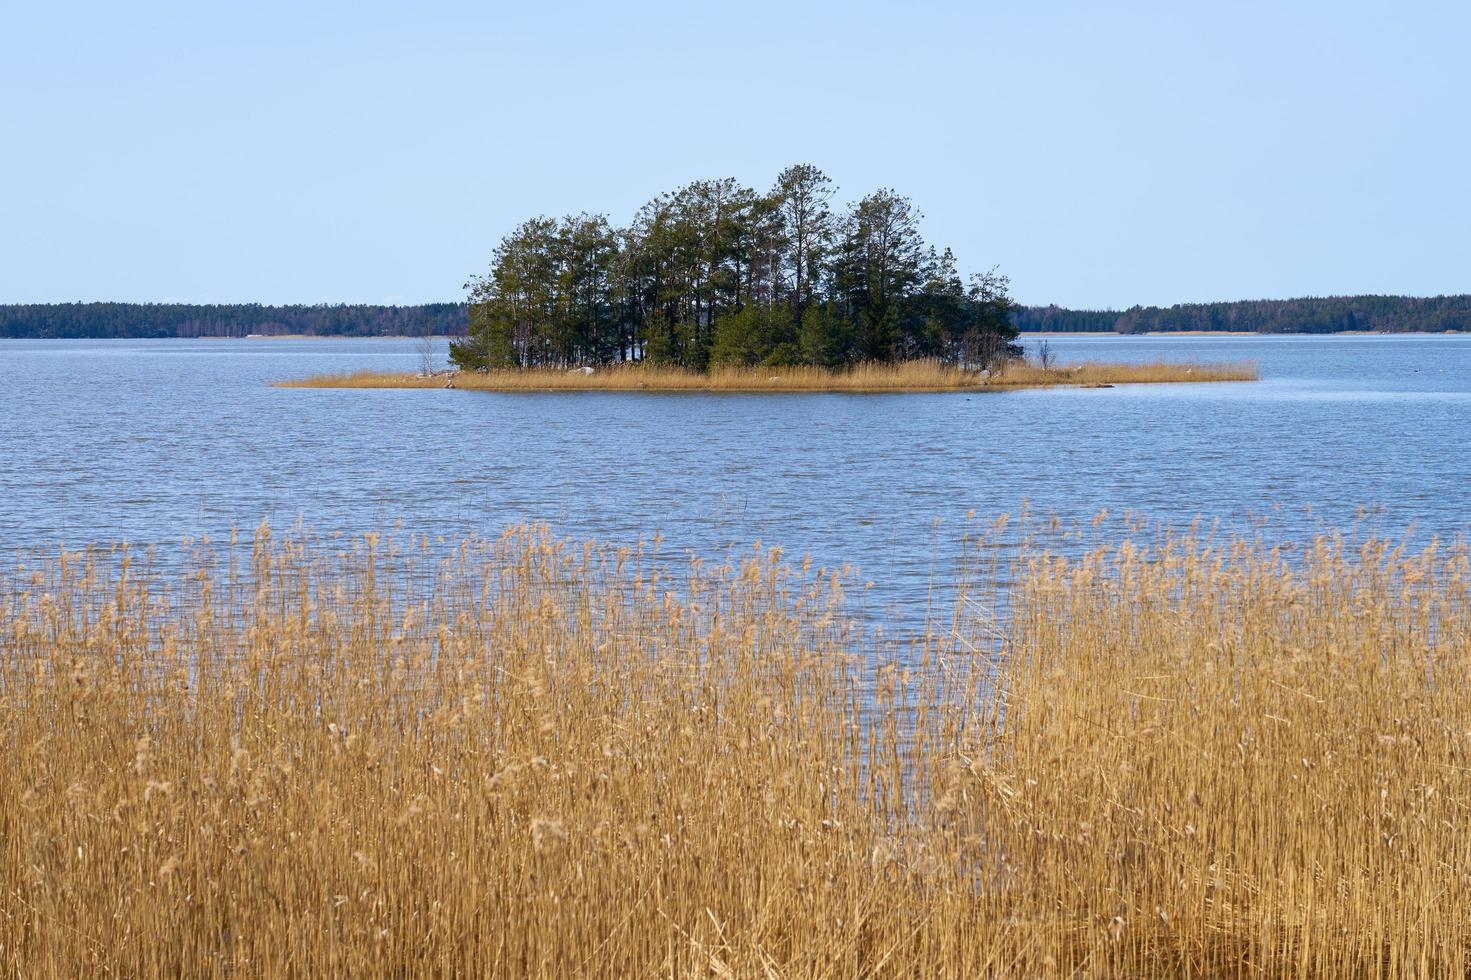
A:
(424, 346)
(1045, 355)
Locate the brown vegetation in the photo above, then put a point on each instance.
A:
(911, 376)
(1024, 374)
(547, 760)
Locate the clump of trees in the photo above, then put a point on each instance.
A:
(716, 273)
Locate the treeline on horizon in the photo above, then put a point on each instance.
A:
(1311, 314)
(720, 274)
(158, 320)
(1331, 314)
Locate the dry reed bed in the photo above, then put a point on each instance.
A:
(1213, 762)
(1028, 375)
(909, 376)
(912, 376)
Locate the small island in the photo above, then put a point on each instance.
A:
(717, 286)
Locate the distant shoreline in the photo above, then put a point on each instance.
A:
(1324, 315)
(1046, 334)
(1064, 334)
(324, 336)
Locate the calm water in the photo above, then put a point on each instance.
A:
(149, 441)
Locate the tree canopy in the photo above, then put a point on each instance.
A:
(716, 273)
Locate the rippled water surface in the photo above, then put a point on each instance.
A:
(150, 441)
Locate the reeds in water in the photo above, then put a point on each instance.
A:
(906, 376)
(1026, 374)
(910, 376)
(542, 759)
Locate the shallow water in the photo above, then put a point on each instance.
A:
(151, 441)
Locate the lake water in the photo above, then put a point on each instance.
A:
(151, 441)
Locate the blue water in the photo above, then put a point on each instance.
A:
(153, 441)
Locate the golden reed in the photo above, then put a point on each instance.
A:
(533, 758)
(1027, 375)
(910, 376)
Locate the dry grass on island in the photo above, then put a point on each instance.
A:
(912, 376)
(1025, 374)
(549, 760)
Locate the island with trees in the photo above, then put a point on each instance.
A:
(716, 274)
(719, 286)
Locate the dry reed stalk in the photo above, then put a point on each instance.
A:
(1025, 375)
(908, 376)
(911, 376)
(534, 758)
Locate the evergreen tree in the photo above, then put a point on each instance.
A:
(715, 273)
(825, 336)
(756, 334)
(801, 197)
(880, 263)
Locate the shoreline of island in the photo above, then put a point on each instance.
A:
(911, 377)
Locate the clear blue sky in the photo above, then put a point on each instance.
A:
(1102, 154)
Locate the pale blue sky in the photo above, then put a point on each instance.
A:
(1101, 154)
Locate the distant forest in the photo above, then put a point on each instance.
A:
(716, 273)
(1318, 314)
(152, 320)
(1391, 314)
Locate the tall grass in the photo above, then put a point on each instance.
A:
(906, 376)
(1027, 374)
(536, 758)
(915, 376)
